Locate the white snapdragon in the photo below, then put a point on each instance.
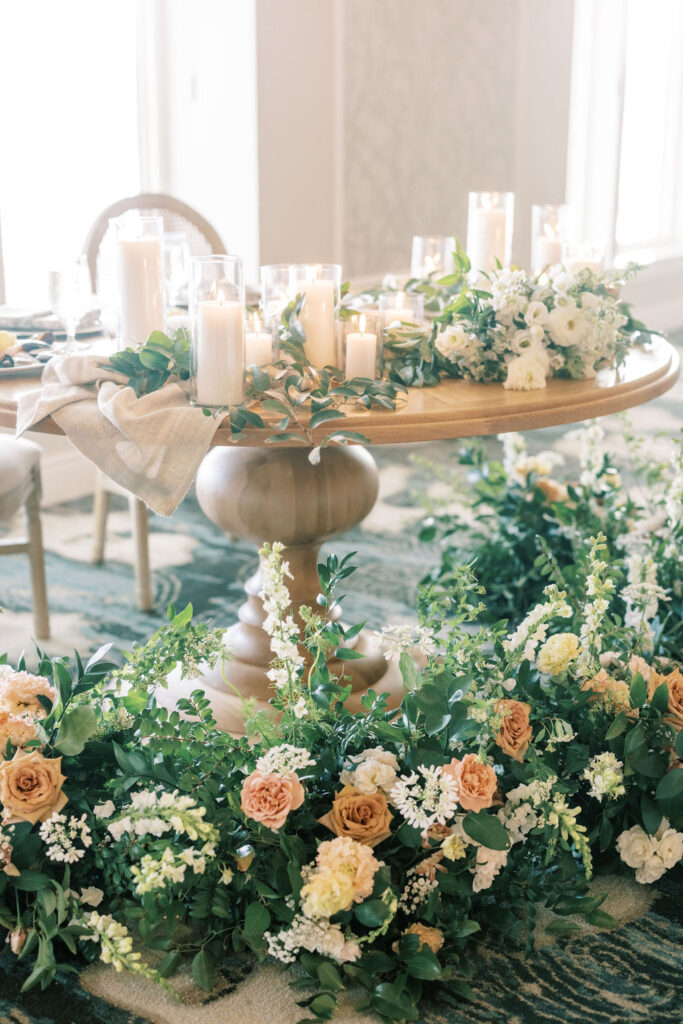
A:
(279, 622)
(514, 449)
(154, 873)
(115, 942)
(66, 838)
(105, 810)
(429, 800)
(488, 865)
(642, 595)
(410, 639)
(155, 814)
(534, 628)
(285, 758)
(605, 774)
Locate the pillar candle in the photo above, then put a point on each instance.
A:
(141, 288)
(547, 250)
(398, 313)
(220, 352)
(361, 353)
(486, 238)
(575, 263)
(317, 320)
(259, 348)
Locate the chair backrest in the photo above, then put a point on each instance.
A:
(202, 239)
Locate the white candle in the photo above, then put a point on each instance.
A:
(317, 320)
(141, 288)
(398, 313)
(547, 250)
(575, 263)
(486, 238)
(220, 352)
(361, 354)
(259, 346)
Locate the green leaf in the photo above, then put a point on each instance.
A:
(347, 654)
(671, 786)
(203, 971)
(409, 671)
(467, 927)
(617, 727)
(424, 965)
(330, 977)
(30, 881)
(372, 913)
(436, 721)
(486, 829)
(256, 920)
(650, 813)
(678, 745)
(390, 1002)
(601, 919)
(75, 729)
(323, 416)
(652, 766)
(660, 698)
(153, 360)
(560, 926)
(280, 438)
(638, 691)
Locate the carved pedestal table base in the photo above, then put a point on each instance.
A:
(276, 494)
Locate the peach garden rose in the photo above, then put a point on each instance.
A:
(268, 798)
(19, 692)
(674, 715)
(477, 782)
(31, 787)
(514, 735)
(17, 730)
(364, 817)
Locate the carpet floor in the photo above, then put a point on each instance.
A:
(605, 977)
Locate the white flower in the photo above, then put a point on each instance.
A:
(489, 863)
(536, 313)
(376, 769)
(284, 758)
(635, 847)
(411, 639)
(566, 325)
(669, 844)
(104, 810)
(300, 710)
(606, 776)
(525, 373)
(427, 801)
(453, 341)
(653, 869)
(91, 896)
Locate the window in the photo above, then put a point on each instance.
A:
(625, 170)
(69, 143)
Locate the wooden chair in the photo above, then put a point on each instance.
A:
(202, 240)
(20, 486)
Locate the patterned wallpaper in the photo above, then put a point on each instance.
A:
(430, 107)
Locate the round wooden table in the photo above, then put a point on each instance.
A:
(272, 492)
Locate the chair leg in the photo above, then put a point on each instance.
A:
(34, 530)
(101, 510)
(140, 527)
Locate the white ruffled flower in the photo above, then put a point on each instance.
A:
(566, 325)
(526, 373)
(454, 341)
(606, 776)
(635, 847)
(375, 769)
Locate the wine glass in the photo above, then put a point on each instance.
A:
(176, 268)
(70, 297)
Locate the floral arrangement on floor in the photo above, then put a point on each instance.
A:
(504, 326)
(369, 848)
(524, 517)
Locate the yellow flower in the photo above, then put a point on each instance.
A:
(326, 893)
(453, 848)
(353, 859)
(557, 652)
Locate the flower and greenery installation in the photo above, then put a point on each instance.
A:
(526, 518)
(505, 326)
(372, 849)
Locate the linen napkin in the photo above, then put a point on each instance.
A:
(151, 446)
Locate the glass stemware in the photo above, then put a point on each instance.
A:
(177, 259)
(70, 297)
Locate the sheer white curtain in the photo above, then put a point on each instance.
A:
(625, 173)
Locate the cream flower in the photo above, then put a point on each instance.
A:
(525, 373)
(19, 692)
(17, 730)
(650, 871)
(635, 847)
(327, 893)
(566, 325)
(557, 652)
(352, 858)
(454, 341)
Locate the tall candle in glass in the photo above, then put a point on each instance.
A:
(548, 231)
(362, 346)
(140, 272)
(490, 217)
(217, 331)
(432, 254)
(320, 284)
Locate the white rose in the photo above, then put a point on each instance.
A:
(635, 847)
(566, 325)
(373, 775)
(525, 373)
(651, 870)
(670, 848)
(454, 341)
(536, 313)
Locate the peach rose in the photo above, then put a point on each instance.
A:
(613, 694)
(674, 716)
(17, 730)
(364, 817)
(268, 798)
(554, 490)
(477, 782)
(514, 735)
(431, 937)
(19, 692)
(31, 787)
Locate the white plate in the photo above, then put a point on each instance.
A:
(27, 370)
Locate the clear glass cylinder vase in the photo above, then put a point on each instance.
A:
(217, 331)
(548, 233)
(361, 343)
(432, 255)
(490, 221)
(320, 286)
(139, 246)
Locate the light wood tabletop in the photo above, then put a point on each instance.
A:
(460, 408)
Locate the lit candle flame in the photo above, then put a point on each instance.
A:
(400, 298)
(220, 297)
(490, 199)
(551, 232)
(257, 324)
(362, 323)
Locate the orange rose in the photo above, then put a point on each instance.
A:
(31, 787)
(431, 937)
(477, 782)
(364, 817)
(674, 717)
(268, 798)
(554, 490)
(514, 735)
(612, 694)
